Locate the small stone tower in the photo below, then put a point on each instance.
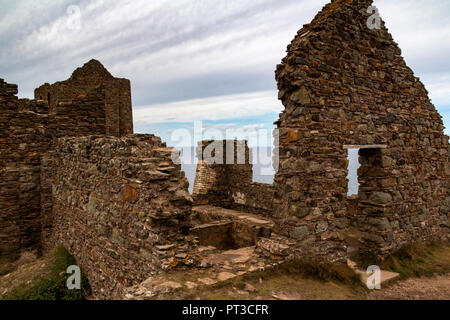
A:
(93, 75)
(224, 169)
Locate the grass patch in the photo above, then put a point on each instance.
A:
(52, 287)
(414, 260)
(320, 271)
(312, 269)
(366, 259)
(417, 260)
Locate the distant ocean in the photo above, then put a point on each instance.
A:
(263, 172)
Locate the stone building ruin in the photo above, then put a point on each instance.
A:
(73, 173)
(344, 85)
(93, 75)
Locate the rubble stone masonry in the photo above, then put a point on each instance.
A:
(28, 132)
(22, 139)
(344, 84)
(115, 199)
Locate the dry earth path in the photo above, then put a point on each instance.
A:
(425, 288)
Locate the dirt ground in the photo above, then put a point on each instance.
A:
(280, 287)
(425, 288)
(275, 287)
(285, 287)
(27, 270)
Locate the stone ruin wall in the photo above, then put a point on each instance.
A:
(51, 181)
(226, 179)
(119, 114)
(29, 130)
(27, 133)
(93, 75)
(115, 200)
(344, 84)
(79, 117)
(22, 140)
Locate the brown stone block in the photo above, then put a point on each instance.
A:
(292, 136)
(130, 194)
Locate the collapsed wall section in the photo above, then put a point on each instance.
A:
(8, 96)
(115, 199)
(23, 137)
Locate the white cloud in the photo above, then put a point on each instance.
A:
(163, 44)
(422, 30)
(183, 50)
(215, 108)
(438, 85)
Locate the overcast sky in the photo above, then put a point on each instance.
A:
(187, 60)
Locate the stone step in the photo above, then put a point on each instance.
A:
(229, 229)
(208, 213)
(385, 276)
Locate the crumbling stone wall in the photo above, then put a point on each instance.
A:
(27, 133)
(92, 76)
(255, 197)
(344, 84)
(36, 106)
(80, 117)
(46, 202)
(119, 115)
(224, 177)
(85, 115)
(115, 200)
(22, 139)
(8, 96)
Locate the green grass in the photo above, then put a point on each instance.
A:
(414, 260)
(52, 287)
(320, 271)
(365, 259)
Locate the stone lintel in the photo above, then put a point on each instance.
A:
(369, 146)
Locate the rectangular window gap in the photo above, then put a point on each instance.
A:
(352, 172)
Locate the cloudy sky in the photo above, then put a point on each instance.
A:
(190, 60)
